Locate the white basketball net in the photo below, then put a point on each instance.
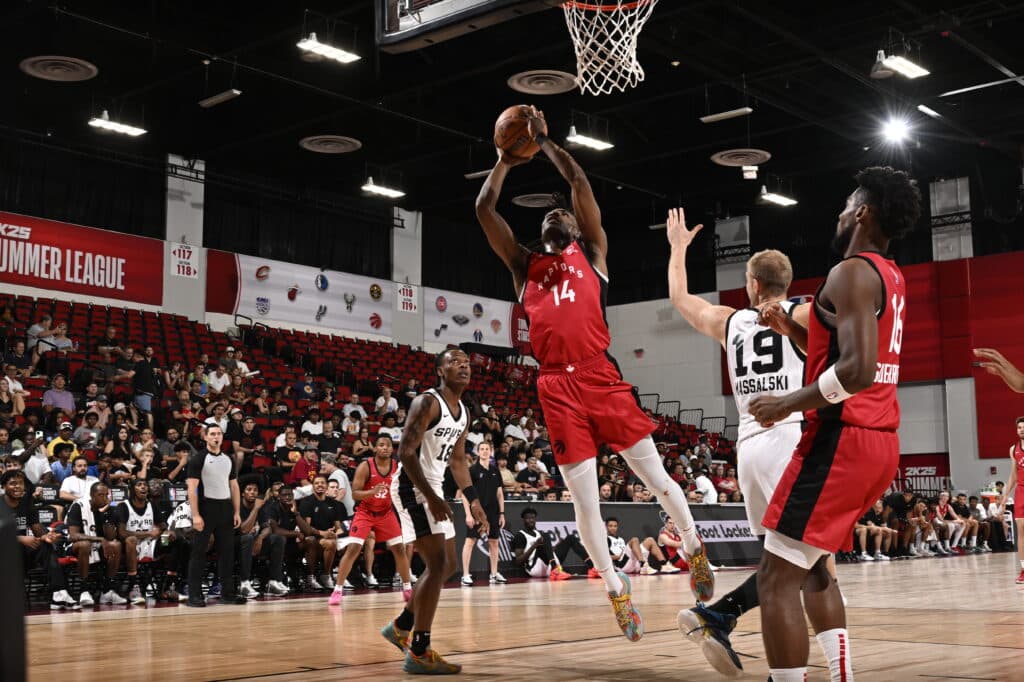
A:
(605, 39)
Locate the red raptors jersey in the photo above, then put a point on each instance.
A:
(875, 407)
(381, 502)
(1018, 457)
(564, 298)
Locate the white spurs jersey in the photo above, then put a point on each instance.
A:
(761, 362)
(437, 444)
(139, 523)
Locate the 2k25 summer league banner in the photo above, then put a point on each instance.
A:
(84, 260)
(266, 289)
(452, 317)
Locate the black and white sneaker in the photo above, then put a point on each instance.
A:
(62, 600)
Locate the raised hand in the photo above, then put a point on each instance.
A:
(536, 124)
(994, 363)
(678, 235)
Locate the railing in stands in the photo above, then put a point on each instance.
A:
(731, 432)
(649, 401)
(713, 424)
(692, 416)
(669, 408)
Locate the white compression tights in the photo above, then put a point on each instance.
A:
(581, 480)
(644, 460)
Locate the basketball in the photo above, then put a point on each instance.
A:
(512, 134)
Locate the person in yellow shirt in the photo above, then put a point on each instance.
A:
(64, 437)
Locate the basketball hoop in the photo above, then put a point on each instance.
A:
(605, 39)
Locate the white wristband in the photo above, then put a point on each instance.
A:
(831, 389)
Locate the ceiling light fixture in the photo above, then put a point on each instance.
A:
(311, 44)
(879, 70)
(219, 98)
(928, 111)
(725, 115)
(895, 130)
(750, 172)
(383, 191)
(776, 198)
(587, 141)
(905, 67)
(104, 123)
(476, 175)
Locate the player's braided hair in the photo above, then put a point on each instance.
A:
(895, 196)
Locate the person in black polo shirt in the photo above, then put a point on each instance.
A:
(325, 516)
(37, 545)
(214, 498)
(487, 481)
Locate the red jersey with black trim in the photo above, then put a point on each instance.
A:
(381, 502)
(564, 297)
(876, 407)
(1018, 457)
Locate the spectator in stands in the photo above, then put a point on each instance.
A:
(390, 428)
(19, 358)
(723, 497)
(63, 436)
(143, 384)
(313, 424)
(16, 387)
(61, 468)
(43, 329)
(707, 489)
(175, 378)
(351, 425)
(532, 478)
(146, 442)
(88, 397)
(412, 389)
(120, 445)
(287, 456)
(37, 544)
(178, 473)
(5, 442)
(605, 492)
(362, 446)
(305, 470)
(247, 443)
(92, 531)
(228, 360)
(35, 462)
(198, 382)
(217, 381)
(123, 364)
(54, 350)
(328, 442)
(508, 479)
(281, 437)
(109, 343)
(241, 365)
(278, 407)
(236, 393)
(515, 430)
(105, 372)
(385, 403)
(219, 416)
(11, 404)
(103, 412)
(353, 406)
(58, 401)
(304, 389)
(337, 480)
(262, 401)
(207, 365)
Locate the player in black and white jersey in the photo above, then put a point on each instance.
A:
(139, 528)
(761, 362)
(434, 439)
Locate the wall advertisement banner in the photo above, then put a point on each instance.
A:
(453, 317)
(84, 260)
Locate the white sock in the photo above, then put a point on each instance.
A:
(836, 645)
(957, 534)
(581, 480)
(1022, 564)
(643, 458)
(788, 674)
(406, 586)
(972, 541)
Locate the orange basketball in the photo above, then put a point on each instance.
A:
(511, 132)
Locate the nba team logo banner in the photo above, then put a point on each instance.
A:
(84, 260)
(447, 320)
(299, 295)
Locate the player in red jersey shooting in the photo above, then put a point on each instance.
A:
(585, 399)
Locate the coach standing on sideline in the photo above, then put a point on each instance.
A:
(214, 498)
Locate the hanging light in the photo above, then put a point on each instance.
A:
(382, 190)
(103, 122)
(879, 70)
(587, 141)
(776, 198)
(311, 44)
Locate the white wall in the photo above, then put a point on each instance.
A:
(922, 418)
(678, 363)
(967, 470)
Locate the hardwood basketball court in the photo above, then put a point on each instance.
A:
(932, 619)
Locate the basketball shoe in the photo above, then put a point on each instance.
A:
(710, 631)
(702, 579)
(626, 615)
(395, 635)
(558, 574)
(1020, 578)
(430, 663)
(336, 594)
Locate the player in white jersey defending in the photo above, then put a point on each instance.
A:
(434, 438)
(761, 362)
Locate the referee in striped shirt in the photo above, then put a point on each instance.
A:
(214, 498)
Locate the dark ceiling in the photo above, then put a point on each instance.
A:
(425, 117)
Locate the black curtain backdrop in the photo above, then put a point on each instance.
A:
(123, 195)
(298, 225)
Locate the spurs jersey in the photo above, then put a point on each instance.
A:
(136, 522)
(564, 298)
(877, 406)
(437, 445)
(761, 362)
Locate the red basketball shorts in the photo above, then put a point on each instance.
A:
(586, 404)
(384, 525)
(1018, 501)
(835, 475)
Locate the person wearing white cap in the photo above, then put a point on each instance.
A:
(65, 437)
(229, 361)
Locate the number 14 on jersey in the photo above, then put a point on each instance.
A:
(565, 294)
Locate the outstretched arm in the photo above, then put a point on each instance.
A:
(994, 363)
(705, 317)
(584, 204)
(499, 234)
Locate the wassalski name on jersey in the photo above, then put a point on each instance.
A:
(446, 431)
(887, 373)
(762, 384)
